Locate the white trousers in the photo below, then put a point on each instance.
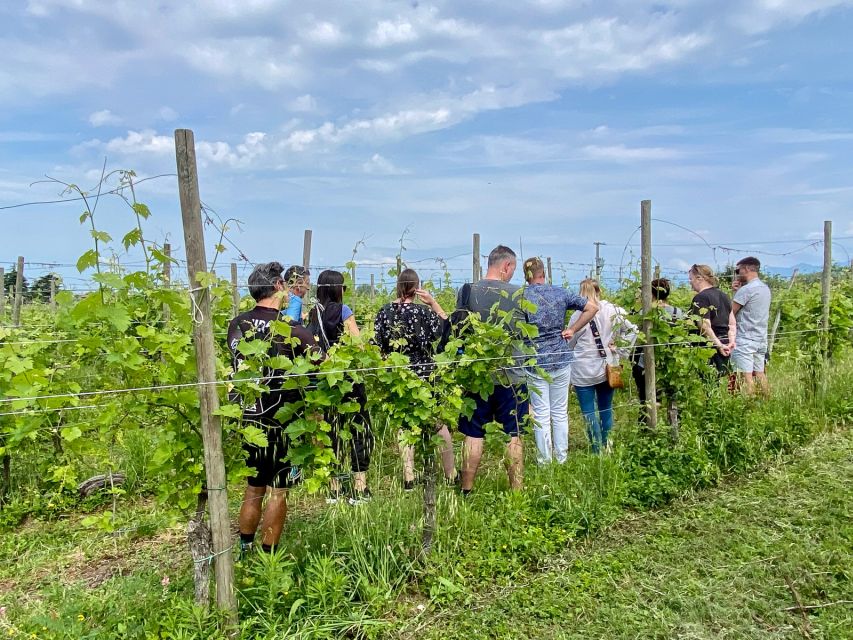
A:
(550, 404)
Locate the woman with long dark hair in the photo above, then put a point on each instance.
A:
(414, 329)
(328, 321)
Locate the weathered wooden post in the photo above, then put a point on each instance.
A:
(2, 293)
(235, 290)
(826, 285)
(399, 266)
(19, 293)
(372, 288)
(476, 268)
(646, 284)
(211, 429)
(167, 279)
(550, 276)
(306, 249)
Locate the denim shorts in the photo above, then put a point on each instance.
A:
(506, 405)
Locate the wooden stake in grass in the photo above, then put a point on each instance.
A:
(2, 293)
(648, 349)
(476, 268)
(211, 429)
(235, 290)
(550, 276)
(19, 293)
(826, 286)
(306, 249)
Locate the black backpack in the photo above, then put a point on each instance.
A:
(326, 324)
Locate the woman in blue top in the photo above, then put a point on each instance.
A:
(328, 321)
(549, 397)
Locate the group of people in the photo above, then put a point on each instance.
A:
(578, 352)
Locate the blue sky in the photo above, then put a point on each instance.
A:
(540, 124)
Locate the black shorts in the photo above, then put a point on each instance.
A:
(271, 469)
(506, 405)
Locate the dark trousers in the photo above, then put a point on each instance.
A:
(361, 439)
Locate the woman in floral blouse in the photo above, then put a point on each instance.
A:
(413, 330)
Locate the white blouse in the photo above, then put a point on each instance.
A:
(613, 324)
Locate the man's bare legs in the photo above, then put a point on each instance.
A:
(746, 383)
(762, 383)
(448, 460)
(251, 509)
(274, 514)
(472, 452)
(515, 463)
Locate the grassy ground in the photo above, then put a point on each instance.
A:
(731, 563)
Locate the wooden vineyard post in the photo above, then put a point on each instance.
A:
(657, 272)
(372, 288)
(825, 286)
(211, 428)
(306, 249)
(550, 274)
(772, 339)
(352, 277)
(2, 294)
(167, 279)
(53, 293)
(235, 290)
(648, 349)
(476, 269)
(19, 293)
(399, 265)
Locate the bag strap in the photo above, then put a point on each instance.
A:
(597, 336)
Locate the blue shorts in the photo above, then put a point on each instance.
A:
(506, 405)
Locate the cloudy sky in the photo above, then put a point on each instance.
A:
(540, 124)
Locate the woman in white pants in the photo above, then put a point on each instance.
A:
(549, 395)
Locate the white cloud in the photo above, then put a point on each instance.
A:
(103, 118)
(801, 136)
(388, 32)
(167, 114)
(621, 153)
(378, 165)
(323, 33)
(304, 103)
(146, 141)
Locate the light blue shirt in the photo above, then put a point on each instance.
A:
(294, 309)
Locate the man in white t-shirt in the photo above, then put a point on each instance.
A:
(751, 306)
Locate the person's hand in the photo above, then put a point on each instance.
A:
(425, 297)
(736, 284)
(724, 350)
(568, 333)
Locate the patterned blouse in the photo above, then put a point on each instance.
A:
(410, 329)
(552, 351)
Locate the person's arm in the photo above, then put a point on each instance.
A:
(732, 330)
(587, 314)
(351, 327)
(736, 307)
(708, 331)
(427, 298)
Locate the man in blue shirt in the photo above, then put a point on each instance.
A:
(298, 283)
(751, 306)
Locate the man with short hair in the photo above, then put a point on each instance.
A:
(271, 471)
(751, 306)
(507, 403)
(298, 282)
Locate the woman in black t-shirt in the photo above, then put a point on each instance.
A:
(414, 329)
(715, 309)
